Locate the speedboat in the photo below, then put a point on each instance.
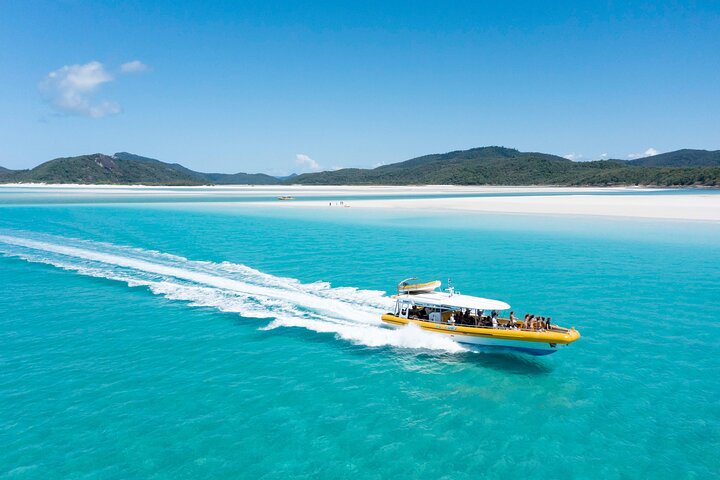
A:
(286, 198)
(463, 319)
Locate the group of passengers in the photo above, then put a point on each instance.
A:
(479, 319)
(463, 317)
(532, 322)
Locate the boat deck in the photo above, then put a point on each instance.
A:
(555, 334)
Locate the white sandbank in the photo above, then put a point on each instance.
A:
(663, 204)
(679, 207)
(693, 206)
(306, 190)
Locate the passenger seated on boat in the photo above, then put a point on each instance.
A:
(530, 323)
(547, 323)
(451, 320)
(512, 320)
(494, 319)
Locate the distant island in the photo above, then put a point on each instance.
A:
(477, 166)
(125, 169)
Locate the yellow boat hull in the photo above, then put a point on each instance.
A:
(534, 342)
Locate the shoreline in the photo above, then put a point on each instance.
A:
(659, 207)
(626, 202)
(350, 189)
(333, 186)
(383, 186)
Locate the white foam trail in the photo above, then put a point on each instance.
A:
(351, 314)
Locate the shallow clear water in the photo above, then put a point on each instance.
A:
(178, 340)
(32, 195)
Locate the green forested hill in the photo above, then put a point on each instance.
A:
(505, 166)
(125, 169)
(241, 179)
(102, 169)
(681, 158)
(208, 178)
(477, 166)
(7, 176)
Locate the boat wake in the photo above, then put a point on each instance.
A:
(349, 313)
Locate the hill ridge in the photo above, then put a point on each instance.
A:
(686, 157)
(507, 166)
(490, 165)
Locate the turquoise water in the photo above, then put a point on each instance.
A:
(197, 340)
(28, 195)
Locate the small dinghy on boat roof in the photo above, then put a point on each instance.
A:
(414, 288)
(474, 322)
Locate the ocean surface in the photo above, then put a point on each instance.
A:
(151, 336)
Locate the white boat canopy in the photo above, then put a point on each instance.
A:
(455, 300)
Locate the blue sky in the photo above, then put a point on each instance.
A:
(296, 86)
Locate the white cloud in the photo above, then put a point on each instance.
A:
(647, 153)
(603, 156)
(70, 89)
(650, 152)
(573, 156)
(136, 66)
(306, 162)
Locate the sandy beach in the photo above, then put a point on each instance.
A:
(680, 207)
(624, 202)
(308, 190)
(704, 205)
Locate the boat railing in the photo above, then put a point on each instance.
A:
(503, 324)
